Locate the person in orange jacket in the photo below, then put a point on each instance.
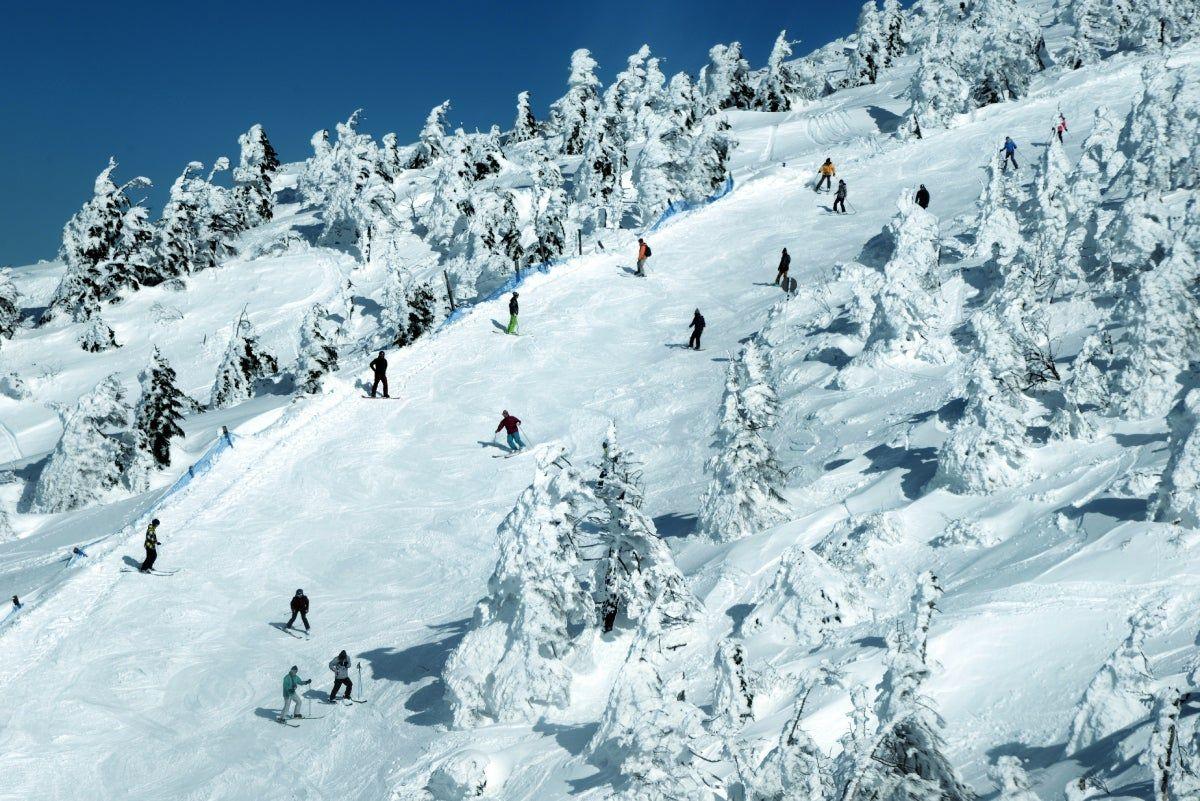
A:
(643, 254)
(826, 172)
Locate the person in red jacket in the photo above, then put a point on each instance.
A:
(511, 425)
(643, 254)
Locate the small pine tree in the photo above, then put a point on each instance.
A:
(938, 91)
(683, 101)
(159, 410)
(807, 601)
(180, 226)
(573, 114)
(97, 336)
(318, 356)
(244, 363)
(784, 83)
(87, 460)
(1012, 780)
(998, 230)
(1165, 753)
(733, 696)
(894, 26)
(452, 207)
(796, 769)
(986, 448)
(598, 179)
(525, 127)
(10, 305)
(432, 143)
(254, 175)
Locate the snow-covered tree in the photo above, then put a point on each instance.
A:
(499, 228)
(683, 101)
(138, 249)
(549, 210)
(998, 230)
(10, 305)
(906, 759)
(870, 47)
(179, 226)
(431, 145)
(598, 179)
(735, 690)
(1179, 490)
(1050, 257)
(573, 114)
(254, 175)
(1003, 51)
(744, 493)
(525, 127)
(796, 769)
(725, 79)
(708, 161)
(1165, 754)
(625, 97)
(317, 356)
(1162, 133)
(1116, 696)
(221, 217)
(636, 574)
(776, 89)
(510, 666)
(87, 460)
(1011, 779)
(97, 336)
(409, 309)
(938, 90)
(159, 410)
(806, 601)
(894, 24)
(986, 449)
(452, 193)
(487, 153)
(245, 362)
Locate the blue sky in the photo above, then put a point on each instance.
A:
(158, 84)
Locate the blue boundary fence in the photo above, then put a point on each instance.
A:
(515, 281)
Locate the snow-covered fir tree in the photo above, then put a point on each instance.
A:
(1161, 132)
(10, 305)
(245, 362)
(806, 601)
(734, 690)
(625, 97)
(97, 336)
(893, 22)
(784, 83)
(998, 230)
(220, 219)
(451, 209)
(159, 410)
(986, 449)
(511, 666)
(1004, 50)
(1178, 498)
(499, 228)
(256, 171)
(431, 144)
(796, 769)
(179, 227)
(906, 760)
(708, 162)
(487, 153)
(938, 91)
(744, 492)
(525, 127)
(725, 79)
(1166, 755)
(636, 574)
(87, 460)
(598, 179)
(573, 115)
(317, 355)
(1011, 780)
(870, 47)
(549, 210)
(138, 248)
(683, 101)
(1117, 695)
(1050, 254)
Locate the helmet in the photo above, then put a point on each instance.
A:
(299, 592)
(154, 522)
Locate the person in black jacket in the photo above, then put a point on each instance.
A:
(840, 198)
(785, 262)
(923, 197)
(512, 315)
(379, 366)
(697, 327)
(299, 607)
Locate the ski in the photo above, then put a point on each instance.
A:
(287, 632)
(151, 572)
(376, 397)
(506, 455)
(357, 700)
(283, 722)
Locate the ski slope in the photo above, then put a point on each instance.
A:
(384, 512)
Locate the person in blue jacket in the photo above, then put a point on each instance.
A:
(291, 697)
(1010, 153)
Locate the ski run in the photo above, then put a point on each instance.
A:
(922, 525)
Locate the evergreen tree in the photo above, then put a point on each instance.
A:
(159, 410)
(318, 356)
(86, 462)
(796, 769)
(725, 79)
(244, 363)
(598, 179)
(573, 114)
(870, 47)
(733, 701)
(986, 448)
(139, 248)
(254, 175)
(10, 305)
(938, 91)
(624, 100)
(1003, 50)
(683, 101)
(525, 127)
(390, 162)
(97, 336)
(452, 194)
(806, 602)
(549, 210)
(180, 239)
(783, 84)
(510, 665)
(708, 162)
(1179, 490)
(487, 153)
(431, 145)
(1012, 780)
(1166, 755)
(220, 219)
(998, 228)
(500, 229)
(894, 26)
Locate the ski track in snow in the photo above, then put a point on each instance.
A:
(123, 686)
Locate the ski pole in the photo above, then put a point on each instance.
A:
(360, 684)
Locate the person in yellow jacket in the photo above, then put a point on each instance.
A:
(151, 546)
(826, 172)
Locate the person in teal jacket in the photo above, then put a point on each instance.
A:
(291, 697)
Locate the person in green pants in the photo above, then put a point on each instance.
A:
(512, 315)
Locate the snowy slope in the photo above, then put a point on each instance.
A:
(385, 511)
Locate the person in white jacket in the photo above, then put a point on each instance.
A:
(340, 665)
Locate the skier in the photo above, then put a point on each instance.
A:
(1010, 153)
(840, 198)
(643, 254)
(511, 425)
(17, 602)
(340, 665)
(379, 366)
(827, 171)
(291, 683)
(785, 263)
(923, 197)
(698, 328)
(1061, 128)
(512, 315)
(299, 607)
(151, 546)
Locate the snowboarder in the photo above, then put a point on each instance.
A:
(512, 315)
(340, 665)
(1061, 128)
(512, 426)
(299, 607)
(379, 366)
(291, 698)
(1010, 153)
(643, 254)
(826, 173)
(698, 328)
(839, 200)
(17, 602)
(785, 263)
(923, 197)
(151, 546)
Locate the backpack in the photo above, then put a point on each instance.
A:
(648, 252)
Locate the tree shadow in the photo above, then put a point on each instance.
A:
(369, 307)
(919, 465)
(417, 663)
(834, 357)
(886, 121)
(602, 777)
(836, 463)
(675, 525)
(1134, 440)
(30, 474)
(572, 739)
(1034, 757)
(738, 614)
(1128, 509)
(952, 411)
(871, 642)
(876, 252)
